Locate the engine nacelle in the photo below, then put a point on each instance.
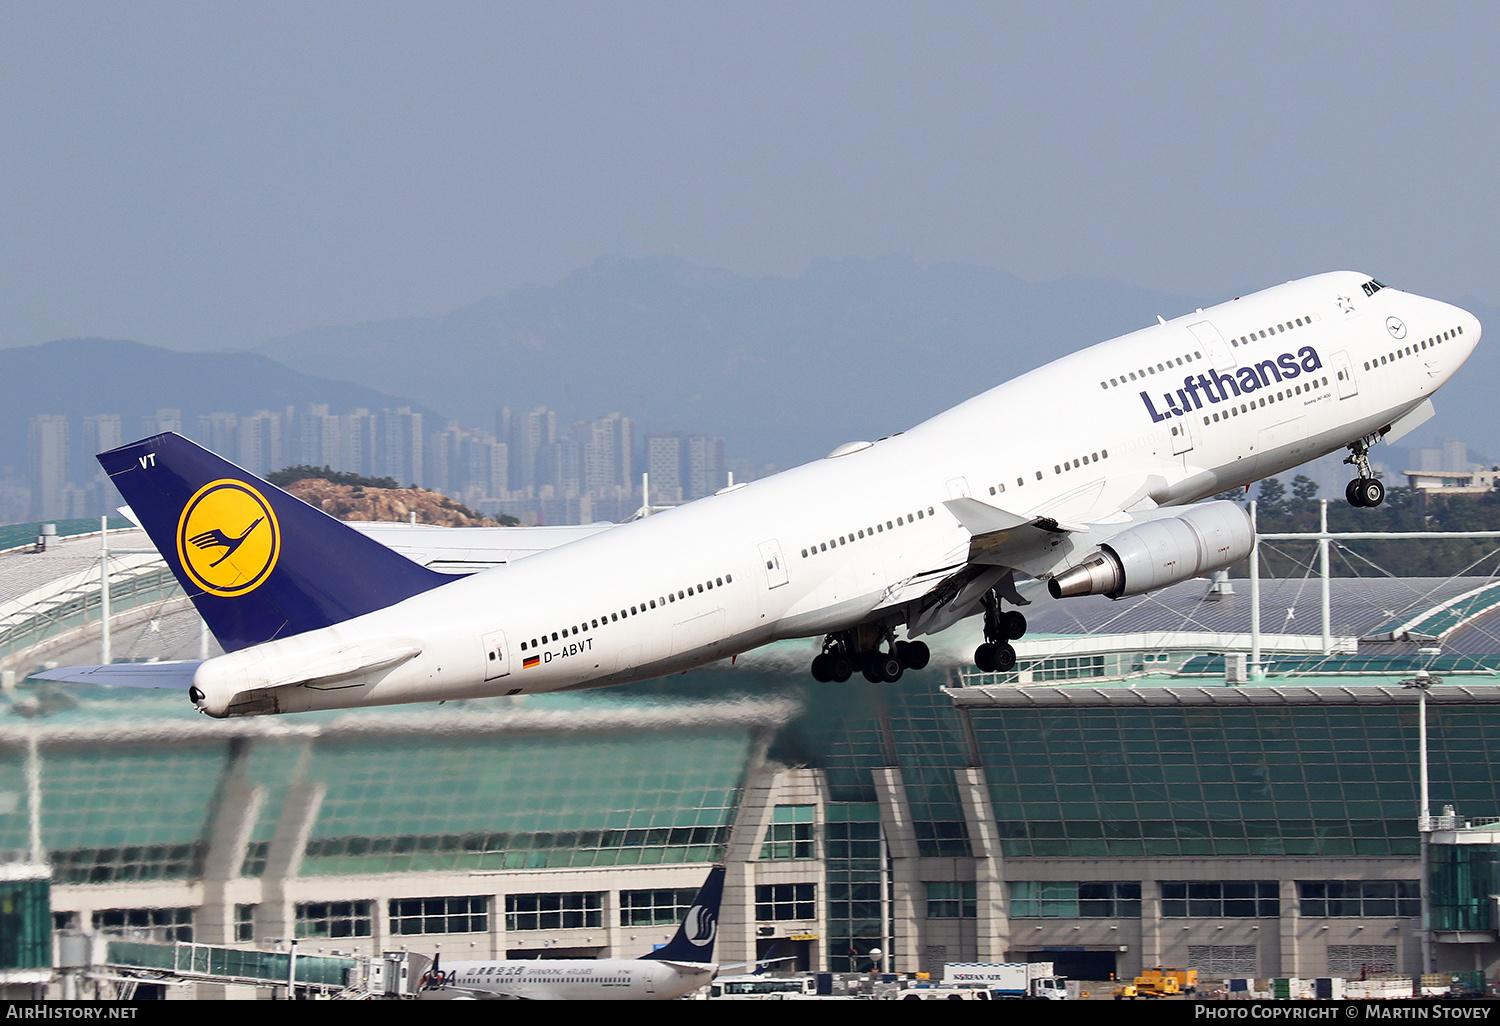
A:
(1203, 538)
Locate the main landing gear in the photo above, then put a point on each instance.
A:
(860, 649)
(1366, 491)
(1001, 627)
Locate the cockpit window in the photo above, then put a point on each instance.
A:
(1372, 286)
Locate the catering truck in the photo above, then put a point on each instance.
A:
(1008, 979)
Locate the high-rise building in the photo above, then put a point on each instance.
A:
(608, 443)
(220, 432)
(706, 471)
(49, 467)
(162, 421)
(530, 433)
(399, 446)
(260, 441)
(357, 442)
(318, 439)
(664, 468)
(101, 433)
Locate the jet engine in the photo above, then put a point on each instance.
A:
(1152, 555)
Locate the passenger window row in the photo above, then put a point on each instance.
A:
(866, 532)
(1296, 390)
(657, 603)
(1137, 375)
(1057, 468)
(1275, 329)
(1415, 348)
(1243, 340)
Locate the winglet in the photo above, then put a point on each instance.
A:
(694, 940)
(258, 563)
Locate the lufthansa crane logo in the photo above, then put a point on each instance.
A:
(228, 539)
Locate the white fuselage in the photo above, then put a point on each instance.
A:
(577, 979)
(1164, 416)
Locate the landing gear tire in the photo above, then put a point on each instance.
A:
(882, 668)
(831, 667)
(1014, 624)
(1365, 492)
(995, 658)
(914, 655)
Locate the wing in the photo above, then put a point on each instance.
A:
(1105, 537)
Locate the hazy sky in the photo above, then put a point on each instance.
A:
(204, 175)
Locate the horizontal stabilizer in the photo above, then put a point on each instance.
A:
(177, 676)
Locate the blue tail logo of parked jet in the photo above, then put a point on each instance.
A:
(694, 939)
(259, 564)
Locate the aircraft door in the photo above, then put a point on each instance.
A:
(1343, 373)
(1182, 435)
(770, 555)
(496, 659)
(1217, 350)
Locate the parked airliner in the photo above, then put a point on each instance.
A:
(680, 967)
(1088, 475)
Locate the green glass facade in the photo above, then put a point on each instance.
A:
(529, 803)
(25, 924)
(1065, 780)
(1205, 781)
(657, 780)
(1463, 879)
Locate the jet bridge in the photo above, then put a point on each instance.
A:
(106, 963)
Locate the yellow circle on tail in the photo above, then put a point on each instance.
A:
(227, 538)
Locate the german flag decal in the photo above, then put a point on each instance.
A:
(530, 661)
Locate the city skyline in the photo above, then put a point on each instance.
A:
(529, 467)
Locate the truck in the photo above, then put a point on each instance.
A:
(1013, 980)
(1158, 982)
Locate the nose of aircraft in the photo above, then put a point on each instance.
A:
(1469, 331)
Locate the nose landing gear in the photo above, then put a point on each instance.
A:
(1366, 491)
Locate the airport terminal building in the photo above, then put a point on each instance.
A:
(1117, 802)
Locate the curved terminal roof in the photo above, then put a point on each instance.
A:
(1458, 610)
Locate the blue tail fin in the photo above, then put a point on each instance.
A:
(694, 939)
(258, 563)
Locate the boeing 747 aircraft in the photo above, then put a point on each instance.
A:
(680, 967)
(1088, 474)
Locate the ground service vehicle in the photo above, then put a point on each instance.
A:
(1008, 979)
